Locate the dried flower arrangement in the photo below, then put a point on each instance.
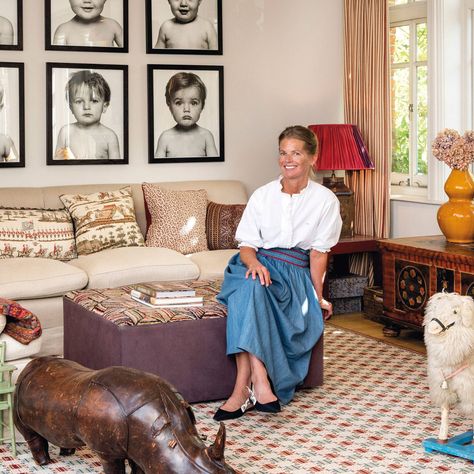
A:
(456, 151)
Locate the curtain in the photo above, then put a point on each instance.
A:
(367, 105)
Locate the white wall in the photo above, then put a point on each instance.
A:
(410, 219)
(283, 65)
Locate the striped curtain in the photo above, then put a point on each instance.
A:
(367, 105)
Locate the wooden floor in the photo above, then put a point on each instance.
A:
(357, 322)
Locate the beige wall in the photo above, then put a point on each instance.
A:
(283, 64)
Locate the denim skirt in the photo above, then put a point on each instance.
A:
(279, 324)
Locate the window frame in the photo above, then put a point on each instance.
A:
(411, 14)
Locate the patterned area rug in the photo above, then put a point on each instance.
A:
(370, 417)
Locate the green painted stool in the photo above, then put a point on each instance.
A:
(7, 387)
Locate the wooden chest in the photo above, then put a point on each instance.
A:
(414, 268)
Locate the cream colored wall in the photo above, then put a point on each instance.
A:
(283, 64)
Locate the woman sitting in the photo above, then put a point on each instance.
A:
(273, 287)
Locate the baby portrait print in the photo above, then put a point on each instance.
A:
(184, 26)
(83, 24)
(11, 115)
(11, 24)
(87, 114)
(186, 113)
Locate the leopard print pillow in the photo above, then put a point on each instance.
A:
(178, 219)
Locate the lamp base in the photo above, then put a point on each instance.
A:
(346, 201)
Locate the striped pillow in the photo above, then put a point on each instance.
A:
(221, 223)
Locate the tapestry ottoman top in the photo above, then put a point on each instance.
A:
(117, 306)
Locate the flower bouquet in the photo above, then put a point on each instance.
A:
(456, 151)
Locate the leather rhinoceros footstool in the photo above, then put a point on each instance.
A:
(186, 346)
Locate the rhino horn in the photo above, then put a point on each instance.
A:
(216, 450)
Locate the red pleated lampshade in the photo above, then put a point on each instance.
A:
(341, 148)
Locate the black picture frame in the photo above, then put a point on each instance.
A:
(58, 24)
(158, 12)
(11, 24)
(210, 118)
(68, 144)
(12, 115)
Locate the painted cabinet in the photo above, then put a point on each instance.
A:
(414, 268)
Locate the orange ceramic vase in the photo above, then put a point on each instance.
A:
(456, 217)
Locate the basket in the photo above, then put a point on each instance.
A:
(373, 303)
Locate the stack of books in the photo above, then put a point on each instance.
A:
(165, 295)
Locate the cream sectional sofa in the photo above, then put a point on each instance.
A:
(39, 283)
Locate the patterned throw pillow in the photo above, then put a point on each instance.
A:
(22, 325)
(221, 223)
(178, 218)
(46, 233)
(103, 220)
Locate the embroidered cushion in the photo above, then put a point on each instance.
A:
(103, 220)
(178, 218)
(45, 233)
(221, 223)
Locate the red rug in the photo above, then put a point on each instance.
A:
(371, 416)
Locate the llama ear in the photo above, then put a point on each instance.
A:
(467, 311)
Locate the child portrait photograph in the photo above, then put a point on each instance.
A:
(185, 113)
(87, 114)
(12, 115)
(11, 24)
(184, 26)
(82, 25)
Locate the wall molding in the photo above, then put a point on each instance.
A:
(467, 65)
(436, 87)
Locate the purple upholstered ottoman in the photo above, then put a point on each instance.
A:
(186, 346)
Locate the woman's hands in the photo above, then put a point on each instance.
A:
(326, 307)
(257, 269)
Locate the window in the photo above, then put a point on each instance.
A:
(409, 96)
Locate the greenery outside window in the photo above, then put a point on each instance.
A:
(409, 97)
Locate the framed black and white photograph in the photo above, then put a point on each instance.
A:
(85, 25)
(87, 114)
(185, 113)
(184, 27)
(12, 115)
(11, 24)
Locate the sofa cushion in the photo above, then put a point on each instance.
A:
(212, 263)
(46, 233)
(178, 218)
(221, 223)
(103, 220)
(17, 350)
(127, 265)
(22, 278)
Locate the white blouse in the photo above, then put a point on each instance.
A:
(308, 220)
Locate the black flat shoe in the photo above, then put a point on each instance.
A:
(270, 407)
(223, 415)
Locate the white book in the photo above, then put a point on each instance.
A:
(178, 305)
(168, 300)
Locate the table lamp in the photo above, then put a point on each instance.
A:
(341, 148)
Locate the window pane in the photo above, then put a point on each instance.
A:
(421, 42)
(391, 3)
(400, 120)
(422, 117)
(400, 44)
